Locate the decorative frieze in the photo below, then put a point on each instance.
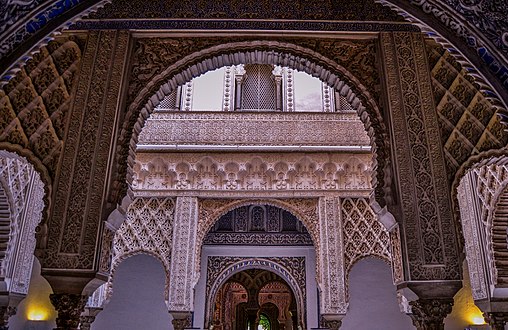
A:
(252, 172)
(258, 129)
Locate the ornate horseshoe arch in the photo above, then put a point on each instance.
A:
(257, 263)
(147, 96)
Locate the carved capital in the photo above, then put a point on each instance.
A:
(5, 313)
(88, 317)
(181, 320)
(85, 322)
(496, 320)
(331, 321)
(429, 314)
(69, 308)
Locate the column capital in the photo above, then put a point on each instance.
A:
(69, 308)
(181, 320)
(332, 321)
(429, 314)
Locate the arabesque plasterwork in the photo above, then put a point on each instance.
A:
(185, 252)
(481, 197)
(25, 192)
(148, 229)
(425, 202)
(364, 235)
(283, 172)
(163, 130)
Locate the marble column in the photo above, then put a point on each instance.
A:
(69, 308)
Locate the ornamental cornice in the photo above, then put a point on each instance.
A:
(286, 172)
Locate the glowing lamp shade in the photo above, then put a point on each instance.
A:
(478, 320)
(37, 314)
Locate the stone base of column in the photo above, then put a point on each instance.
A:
(69, 308)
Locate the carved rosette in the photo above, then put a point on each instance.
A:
(429, 314)
(69, 308)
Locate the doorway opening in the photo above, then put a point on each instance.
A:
(255, 299)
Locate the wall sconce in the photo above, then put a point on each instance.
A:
(37, 325)
(37, 319)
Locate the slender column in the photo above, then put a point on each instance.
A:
(69, 308)
(496, 320)
(183, 254)
(277, 72)
(239, 72)
(429, 314)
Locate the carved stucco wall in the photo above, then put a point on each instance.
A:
(425, 207)
(468, 116)
(481, 24)
(35, 104)
(79, 204)
(25, 191)
(482, 200)
(148, 229)
(255, 173)
(211, 53)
